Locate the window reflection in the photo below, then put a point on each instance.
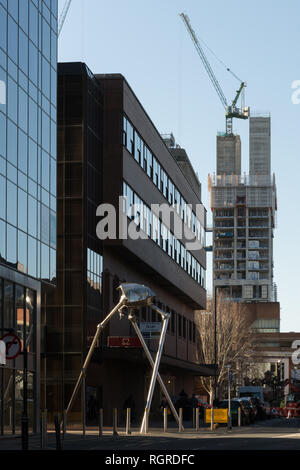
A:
(11, 248)
(28, 44)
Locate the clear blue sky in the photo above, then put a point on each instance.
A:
(147, 42)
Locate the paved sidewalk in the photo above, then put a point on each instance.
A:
(277, 434)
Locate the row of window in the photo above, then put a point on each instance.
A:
(94, 283)
(149, 163)
(26, 254)
(26, 184)
(26, 158)
(161, 235)
(31, 57)
(178, 324)
(94, 269)
(30, 118)
(39, 26)
(31, 81)
(26, 213)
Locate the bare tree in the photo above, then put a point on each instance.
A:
(234, 341)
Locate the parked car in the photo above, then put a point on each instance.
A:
(235, 405)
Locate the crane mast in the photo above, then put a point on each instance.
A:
(231, 111)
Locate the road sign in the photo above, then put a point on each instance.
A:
(13, 345)
(151, 330)
(123, 342)
(2, 353)
(220, 415)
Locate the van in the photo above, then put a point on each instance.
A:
(252, 391)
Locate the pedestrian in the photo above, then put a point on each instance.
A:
(193, 404)
(163, 405)
(194, 401)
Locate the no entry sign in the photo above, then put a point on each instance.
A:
(13, 345)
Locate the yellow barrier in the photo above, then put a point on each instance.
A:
(220, 415)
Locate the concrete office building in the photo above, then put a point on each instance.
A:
(228, 154)
(108, 147)
(28, 45)
(260, 145)
(244, 218)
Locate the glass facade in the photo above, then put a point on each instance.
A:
(73, 309)
(28, 58)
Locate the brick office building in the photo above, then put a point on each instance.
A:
(115, 150)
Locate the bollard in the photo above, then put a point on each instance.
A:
(197, 419)
(115, 422)
(146, 420)
(57, 432)
(165, 419)
(100, 422)
(83, 407)
(180, 420)
(239, 416)
(64, 424)
(43, 429)
(128, 419)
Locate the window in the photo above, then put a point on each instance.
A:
(12, 43)
(138, 148)
(22, 210)
(149, 164)
(179, 317)
(3, 30)
(184, 327)
(190, 330)
(173, 321)
(129, 137)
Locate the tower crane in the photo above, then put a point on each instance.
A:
(231, 111)
(63, 15)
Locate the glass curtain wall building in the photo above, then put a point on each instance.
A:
(28, 94)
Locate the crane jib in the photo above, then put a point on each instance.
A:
(231, 111)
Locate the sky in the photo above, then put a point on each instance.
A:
(147, 42)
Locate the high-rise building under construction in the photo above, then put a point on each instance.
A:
(244, 209)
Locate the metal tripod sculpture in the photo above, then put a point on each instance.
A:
(133, 296)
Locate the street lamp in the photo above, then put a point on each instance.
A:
(210, 249)
(229, 395)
